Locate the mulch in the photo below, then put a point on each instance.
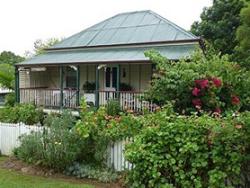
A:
(14, 164)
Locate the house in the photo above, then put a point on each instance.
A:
(105, 61)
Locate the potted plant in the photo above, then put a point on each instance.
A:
(89, 92)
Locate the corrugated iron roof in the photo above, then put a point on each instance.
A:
(110, 55)
(125, 28)
(121, 38)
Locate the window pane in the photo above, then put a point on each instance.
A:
(108, 77)
(114, 77)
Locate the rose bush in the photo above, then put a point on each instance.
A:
(212, 95)
(216, 84)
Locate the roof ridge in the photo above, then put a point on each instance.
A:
(132, 12)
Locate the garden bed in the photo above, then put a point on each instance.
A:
(14, 165)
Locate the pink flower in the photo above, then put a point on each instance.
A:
(217, 82)
(197, 103)
(235, 100)
(238, 126)
(217, 110)
(196, 91)
(203, 83)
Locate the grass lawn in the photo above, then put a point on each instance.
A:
(12, 179)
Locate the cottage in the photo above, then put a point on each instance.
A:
(103, 62)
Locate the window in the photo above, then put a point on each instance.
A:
(70, 78)
(111, 77)
(108, 72)
(114, 77)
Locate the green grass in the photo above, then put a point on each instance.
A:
(13, 179)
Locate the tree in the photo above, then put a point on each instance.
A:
(243, 37)
(7, 57)
(219, 23)
(40, 46)
(7, 61)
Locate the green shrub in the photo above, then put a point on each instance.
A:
(182, 151)
(56, 147)
(25, 113)
(100, 129)
(10, 99)
(90, 171)
(29, 114)
(31, 148)
(113, 107)
(9, 115)
(174, 82)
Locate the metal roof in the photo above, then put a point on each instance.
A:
(126, 28)
(109, 55)
(121, 38)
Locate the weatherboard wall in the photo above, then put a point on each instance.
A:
(136, 75)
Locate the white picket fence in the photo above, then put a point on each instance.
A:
(9, 134)
(116, 158)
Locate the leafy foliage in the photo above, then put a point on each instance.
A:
(100, 129)
(174, 82)
(10, 58)
(113, 107)
(242, 35)
(188, 151)
(10, 99)
(219, 23)
(7, 76)
(7, 72)
(90, 171)
(41, 45)
(25, 113)
(55, 147)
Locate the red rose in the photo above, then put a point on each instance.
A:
(202, 83)
(235, 100)
(197, 103)
(217, 82)
(217, 110)
(196, 91)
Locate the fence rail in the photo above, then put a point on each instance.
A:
(49, 97)
(129, 100)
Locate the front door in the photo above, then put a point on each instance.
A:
(110, 83)
(111, 78)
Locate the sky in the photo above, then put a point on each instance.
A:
(22, 22)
